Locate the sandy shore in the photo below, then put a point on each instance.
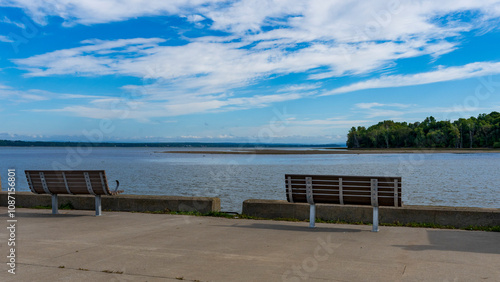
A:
(335, 151)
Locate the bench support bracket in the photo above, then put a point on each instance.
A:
(312, 215)
(374, 195)
(98, 211)
(288, 188)
(54, 204)
(375, 219)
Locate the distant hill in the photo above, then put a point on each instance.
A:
(17, 143)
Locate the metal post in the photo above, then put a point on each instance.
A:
(98, 205)
(375, 219)
(54, 204)
(312, 216)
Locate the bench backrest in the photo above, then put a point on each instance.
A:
(344, 190)
(91, 182)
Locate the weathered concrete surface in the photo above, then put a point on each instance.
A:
(453, 216)
(76, 246)
(137, 203)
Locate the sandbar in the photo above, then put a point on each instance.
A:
(267, 151)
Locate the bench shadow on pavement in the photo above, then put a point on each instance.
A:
(459, 241)
(304, 228)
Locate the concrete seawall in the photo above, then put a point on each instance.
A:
(452, 216)
(138, 203)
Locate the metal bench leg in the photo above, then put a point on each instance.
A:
(312, 216)
(98, 205)
(55, 206)
(375, 219)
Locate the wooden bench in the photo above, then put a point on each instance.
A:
(343, 190)
(72, 182)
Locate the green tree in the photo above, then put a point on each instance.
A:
(483, 131)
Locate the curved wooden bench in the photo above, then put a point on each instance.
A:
(344, 190)
(72, 182)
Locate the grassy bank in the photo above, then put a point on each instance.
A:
(319, 220)
(68, 206)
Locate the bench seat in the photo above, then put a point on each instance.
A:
(344, 190)
(72, 182)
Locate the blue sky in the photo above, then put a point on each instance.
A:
(241, 71)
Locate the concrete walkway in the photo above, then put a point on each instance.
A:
(120, 246)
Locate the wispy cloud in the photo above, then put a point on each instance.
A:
(18, 96)
(375, 110)
(180, 73)
(96, 57)
(78, 96)
(261, 40)
(297, 20)
(143, 109)
(9, 21)
(406, 112)
(330, 122)
(300, 87)
(294, 129)
(6, 39)
(8, 93)
(375, 104)
(443, 74)
(342, 38)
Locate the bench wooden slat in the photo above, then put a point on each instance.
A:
(75, 181)
(348, 200)
(329, 177)
(342, 189)
(354, 189)
(345, 182)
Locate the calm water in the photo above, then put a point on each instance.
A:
(470, 180)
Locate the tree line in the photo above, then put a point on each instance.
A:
(475, 132)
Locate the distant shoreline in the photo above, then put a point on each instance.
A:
(18, 143)
(336, 151)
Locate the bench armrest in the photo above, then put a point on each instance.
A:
(116, 191)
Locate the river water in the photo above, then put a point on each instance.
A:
(439, 179)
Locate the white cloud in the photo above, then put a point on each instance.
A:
(195, 18)
(96, 11)
(299, 21)
(142, 110)
(90, 59)
(78, 96)
(330, 123)
(296, 128)
(339, 38)
(8, 93)
(368, 105)
(387, 114)
(323, 39)
(5, 39)
(375, 104)
(376, 111)
(207, 67)
(9, 21)
(2, 86)
(440, 75)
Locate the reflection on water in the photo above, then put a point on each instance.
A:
(470, 180)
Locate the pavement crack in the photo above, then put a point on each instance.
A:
(108, 272)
